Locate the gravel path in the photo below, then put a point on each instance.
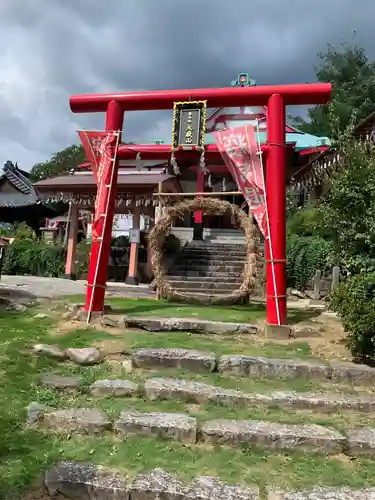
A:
(58, 287)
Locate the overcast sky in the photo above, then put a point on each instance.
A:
(53, 48)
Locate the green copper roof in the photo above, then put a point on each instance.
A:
(302, 141)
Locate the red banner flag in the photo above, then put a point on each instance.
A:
(101, 151)
(239, 150)
(98, 146)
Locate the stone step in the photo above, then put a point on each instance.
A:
(193, 325)
(214, 251)
(224, 268)
(306, 438)
(205, 286)
(75, 480)
(175, 426)
(209, 261)
(187, 272)
(197, 392)
(190, 391)
(202, 293)
(255, 366)
(215, 246)
(184, 428)
(206, 279)
(226, 249)
(184, 359)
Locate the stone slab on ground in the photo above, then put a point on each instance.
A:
(176, 426)
(313, 438)
(323, 493)
(193, 325)
(187, 359)
(157, 484)
(191, 392)
(257, 366)
(211, 488)
(114, 388)
(361, 441)
(79, 481)
(58, 382)
(315, 400)
(81, 420)
(352, 373)
(197, 392)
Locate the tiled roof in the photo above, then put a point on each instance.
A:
(87, 181)
(17, 177)
(13, 200)
(26, 195)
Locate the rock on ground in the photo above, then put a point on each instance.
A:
(84, 355)
(188, 359)
(50, 350)
(36, 411)
(176, 426)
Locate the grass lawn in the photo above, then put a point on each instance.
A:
(245, 313)
(25, 452)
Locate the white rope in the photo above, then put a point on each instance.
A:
(268, 226)
(89, 312)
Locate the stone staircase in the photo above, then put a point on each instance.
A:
(166, 406)
(75, 480)
(212, 268)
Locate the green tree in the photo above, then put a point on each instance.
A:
(347, 211)
(352, 76)
(61, 163)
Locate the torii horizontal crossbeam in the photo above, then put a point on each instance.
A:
(297, 94)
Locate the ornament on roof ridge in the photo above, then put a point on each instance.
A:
(243, 80)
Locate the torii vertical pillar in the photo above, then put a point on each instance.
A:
(275, 191)
(100, 250)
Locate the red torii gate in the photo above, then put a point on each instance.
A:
(275, 97)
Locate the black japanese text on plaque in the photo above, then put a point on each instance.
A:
(189, 124)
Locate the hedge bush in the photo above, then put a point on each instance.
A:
(354, 302)
(28, 256)
(31, 257)
(305, 255)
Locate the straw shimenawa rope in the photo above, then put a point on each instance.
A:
(211, 206)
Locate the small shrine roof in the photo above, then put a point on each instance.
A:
(14, 200)
(86, 180)
(24, 194)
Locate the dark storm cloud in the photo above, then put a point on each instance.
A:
(53, 49)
